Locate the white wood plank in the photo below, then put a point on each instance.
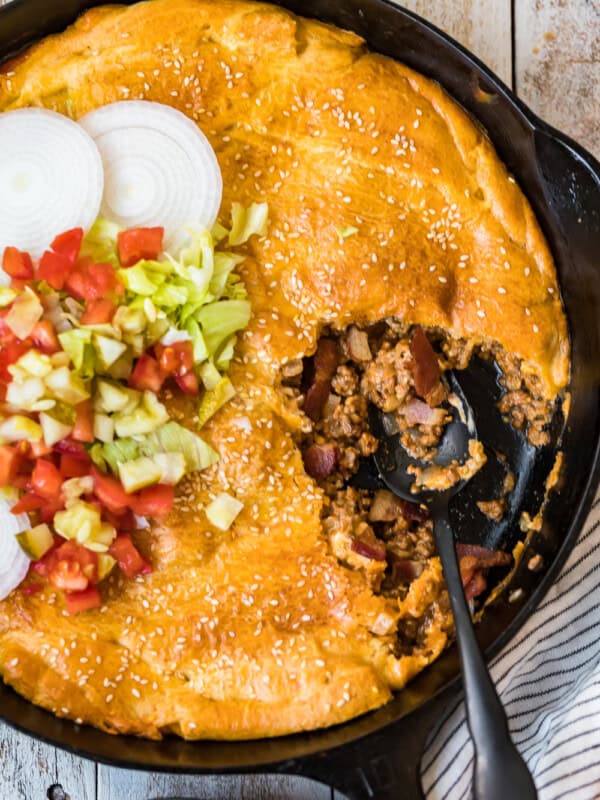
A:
(484, 26)
(29, 768)
(558, 64)
(118, 784)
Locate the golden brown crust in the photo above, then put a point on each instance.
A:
(260, 631)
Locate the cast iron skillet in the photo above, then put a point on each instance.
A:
(377, 755)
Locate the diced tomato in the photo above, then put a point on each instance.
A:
(45, 338)
(138, 243)
(98, 312)
(17, 263)
(128, 557)
(38, 449)
(91, 281)
(73, 448)
(46, 480)
(9, 353)
(154, 501)
(50, 508)
(31, 589)
(104, 281)
(6, 335)
(72, 567)
(188, 383)
(11, 459)
(147, 374)
(47, 561)
(76, 284)
(21, 482)
(29, 502)
(122, 522)
(68, 244)
(167, 358)
(76, 602)
(110, 492)
(176, 358)
(53, 268)
(71, 467)
(83, 430)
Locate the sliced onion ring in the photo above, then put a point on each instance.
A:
(14, 562)
(51, 178)
(159, 167)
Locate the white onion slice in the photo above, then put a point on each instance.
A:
(159, 167)
(51, 178)
(14, 562)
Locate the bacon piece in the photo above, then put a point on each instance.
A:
(387, 507)
(474, 562)
(320, 460)
(413, 512)
(358, 345)
(476, 586)
(416, 412)
(404, 570)
(369, 546)
(426, 370)
(326, 360)
(485, 557)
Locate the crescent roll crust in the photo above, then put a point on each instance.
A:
(260, 631)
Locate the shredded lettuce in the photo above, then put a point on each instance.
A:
(215, 399)
(220, 320)
(100, 242)
(245, 222)
(169, 438)
(194, 294)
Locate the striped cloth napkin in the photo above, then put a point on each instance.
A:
(548, 679)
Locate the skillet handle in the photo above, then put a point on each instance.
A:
(383, 765)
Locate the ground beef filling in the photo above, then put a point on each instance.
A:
(397, 369)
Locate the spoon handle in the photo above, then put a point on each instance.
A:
(499, 771)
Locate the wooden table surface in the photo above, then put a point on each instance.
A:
(549, 51)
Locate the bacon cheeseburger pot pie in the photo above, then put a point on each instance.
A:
(225, 231)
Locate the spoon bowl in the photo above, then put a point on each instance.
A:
(392, 460)
(499, 770)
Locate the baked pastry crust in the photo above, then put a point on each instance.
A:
(259, 631)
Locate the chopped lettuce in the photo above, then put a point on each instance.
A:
(100, 242)
(193, 295)
(219, 320)
(215, 399)
(223, 510)
(169, 438)
(245, 222)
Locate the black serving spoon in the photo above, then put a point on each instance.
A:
(499, 772)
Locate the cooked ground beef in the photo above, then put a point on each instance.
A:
(388, 365)
(388, 379)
